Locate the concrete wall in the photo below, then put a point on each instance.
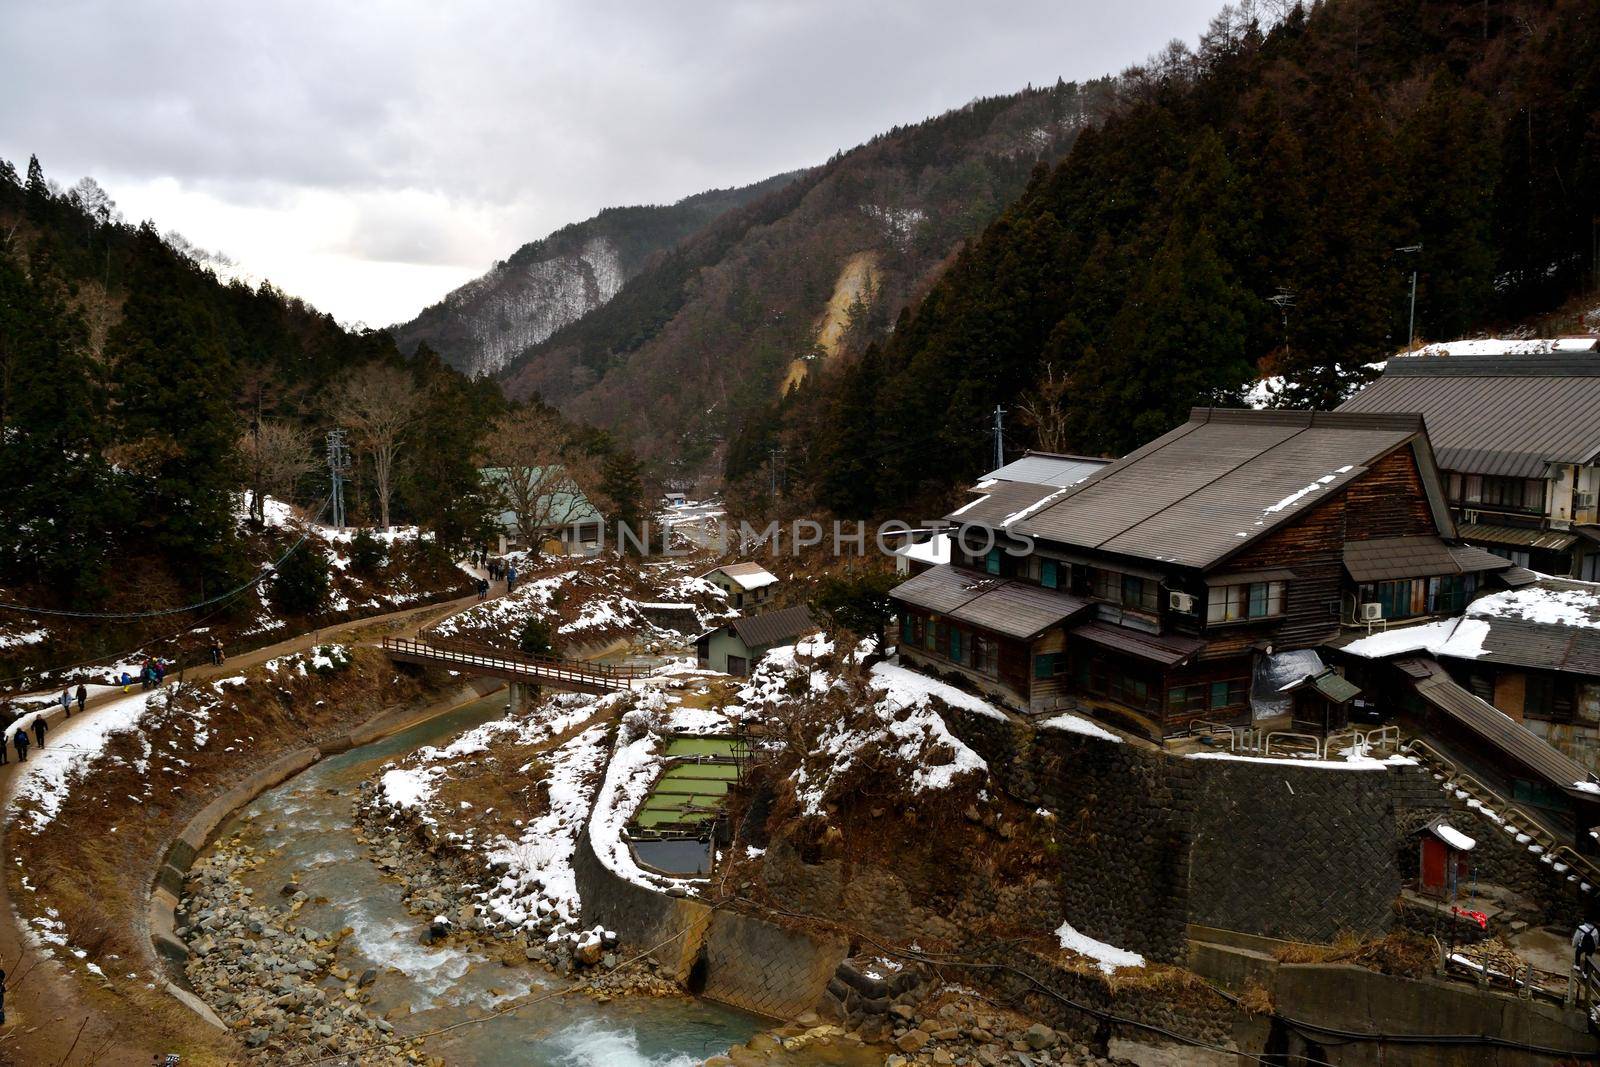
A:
(743, 960)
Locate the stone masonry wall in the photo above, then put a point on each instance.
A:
(1150, 842)
(1291, 852)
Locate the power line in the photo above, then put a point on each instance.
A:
(230, 594)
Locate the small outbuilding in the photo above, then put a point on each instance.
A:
(1442, 861)
(735, 647)
(748, 585)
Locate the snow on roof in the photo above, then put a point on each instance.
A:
(1108, 957)
(1462, 638)
(746, 576)
(1549, 602)
(1453, 837)
(1505, 346)
(934, 551)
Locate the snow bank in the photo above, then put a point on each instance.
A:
(1077, 724)
(1108, 957)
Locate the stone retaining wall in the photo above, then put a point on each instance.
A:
(726, 956)
(1151, 842)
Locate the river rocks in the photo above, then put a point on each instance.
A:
(267, 977)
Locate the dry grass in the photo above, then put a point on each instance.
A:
(1255, 999)
(94, 862)
(1399, 952)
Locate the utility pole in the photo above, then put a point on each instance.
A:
(338, 468)
(999, 437)
(775, 455)
(1411, 328)
(257, 509)
(1284, 300)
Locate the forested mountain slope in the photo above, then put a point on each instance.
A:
(768, 293)
(549, 283)
(1253, 206)
(129, 379)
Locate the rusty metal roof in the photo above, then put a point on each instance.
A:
(1498, 415)
(1208, 488)
(1169, 650)
(1000, 605)
(773, 627)
(1434, 684)
(1386, 558)
(1521, 537)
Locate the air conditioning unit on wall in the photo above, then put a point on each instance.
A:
(1372, 613)
(1183, 602)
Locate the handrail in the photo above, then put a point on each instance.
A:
(1316, 742)
(1507, 811)
(548, 667)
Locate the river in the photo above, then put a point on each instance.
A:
(308, 823)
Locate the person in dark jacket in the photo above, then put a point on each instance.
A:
(39, 728)
(83, 697)
(20, 739)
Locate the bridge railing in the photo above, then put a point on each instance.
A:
(550, 668)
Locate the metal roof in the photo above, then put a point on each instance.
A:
(1521, 537)
(773, 627)
(1385, 558)
(1001, 502)
(1047, 468)
(1499, 415)
(1014, 609)
(1332, 685)
(746, 576)
(1553, 624)
(1494, 726)
(1169, 650)
(1208, 488)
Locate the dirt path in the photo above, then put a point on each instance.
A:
(52, 1019)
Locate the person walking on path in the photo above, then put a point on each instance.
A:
(20, 739)
(83, 697)
(39, 728)
(511, 578)
(66, 703)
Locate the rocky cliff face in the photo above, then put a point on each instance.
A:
(550, 283)
(769, 294)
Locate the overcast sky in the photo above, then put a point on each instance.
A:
(372, 156)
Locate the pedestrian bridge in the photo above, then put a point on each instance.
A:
(550, 672)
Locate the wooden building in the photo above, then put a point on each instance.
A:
(749, 585)
(1154, 591)
(736, 647)
(1517, 429)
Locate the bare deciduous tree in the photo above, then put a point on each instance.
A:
(542, 479)
(379, 405)
(1044, 409)
(281, 454)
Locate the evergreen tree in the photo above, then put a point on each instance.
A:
(302, 582)
(177, 427)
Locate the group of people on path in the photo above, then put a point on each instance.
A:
(151, 674)
(20, 738)
(498, 569)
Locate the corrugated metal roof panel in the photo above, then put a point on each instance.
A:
(1044, 468)
(774, 627)
(1387, 558)
(1203, 491)
(1000, 502)
(1493, 725)
(1169, 650)
(1503, 416)
(942, 589)
(1555, 540)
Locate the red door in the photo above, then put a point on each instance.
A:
(1433, 866)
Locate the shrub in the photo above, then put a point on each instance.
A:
(300, 586)
(536, 638)
(367, 553)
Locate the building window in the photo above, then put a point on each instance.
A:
(1546, 697)
(1510, 494)
(955, 644)
(1234, 693)
(1128, 590)
(1233, 603)
(1049, 664)
(911, 627)
(991, 562)
(983, 654)
(1188, 699)
(1107, 678)
(1410, 597)
(1050, 573)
